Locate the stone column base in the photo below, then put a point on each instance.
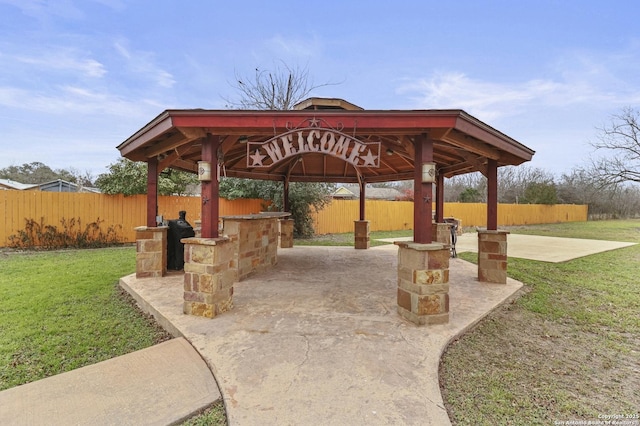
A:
(151, 251)
(423, 282)
(492, 256)
(361, 228)
(286, 233)
(441, 233)
(208, 277)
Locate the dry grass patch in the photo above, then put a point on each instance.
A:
(568, 349)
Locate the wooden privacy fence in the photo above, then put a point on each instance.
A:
(394, 215)
(129, 212)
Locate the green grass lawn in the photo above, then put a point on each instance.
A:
(348, 238)
(63, 310)
(568, 349)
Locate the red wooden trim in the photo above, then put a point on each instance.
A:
(440, 198)
(363, 199)
(152, 191)
(362, 121)
(210, 213)
(423, 193)
(492, 195)
(286, 206)
(161, 124)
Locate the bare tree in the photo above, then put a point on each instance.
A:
(279, 89)
(458, 185)
(583, 186)
(515, 184)
(621, 140)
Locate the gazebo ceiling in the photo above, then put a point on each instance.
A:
(323, 142)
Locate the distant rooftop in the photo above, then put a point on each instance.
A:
(12, 184)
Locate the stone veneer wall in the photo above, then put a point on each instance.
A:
(492, 256)
(255, 244)
(151, 251)
(423, 282)
(208, 276)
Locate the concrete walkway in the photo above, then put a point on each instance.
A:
(160, 385)
(545, 249)
(317, 340)
(535, 247)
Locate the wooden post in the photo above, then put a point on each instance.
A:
(363, 199)
(152, 191)
(423, 192)
(210, 214)
(492, 195)
(285, 197)
(440, 198)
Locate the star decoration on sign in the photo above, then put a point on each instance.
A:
(257, 159)
(369, 159)
(313, 122)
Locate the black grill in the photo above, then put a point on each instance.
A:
(178, 229)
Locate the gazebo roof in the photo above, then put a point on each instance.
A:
(327, 140)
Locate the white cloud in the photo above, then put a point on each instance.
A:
(76, 100)
(296, 47)
(42, 10)
(491, 100)
(578, 79)
(144, 63)
(61, 59)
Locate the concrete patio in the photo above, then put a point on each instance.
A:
(317, 339)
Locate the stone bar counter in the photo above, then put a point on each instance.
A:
(255, 240)
(248, 243)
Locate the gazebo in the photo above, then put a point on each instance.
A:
(331, 140)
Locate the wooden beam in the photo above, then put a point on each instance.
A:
(181, 137)
(152, 191)
(423, 192)
(456, 169)
(210, 213)
(492, 195)
(228, 142)
(471, 144)
(363, 196)
(408, 146)
(440, 198)
(476, 162)
(439, 134)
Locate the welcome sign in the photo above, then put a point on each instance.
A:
(313, 140)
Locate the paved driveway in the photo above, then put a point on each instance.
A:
(546, 249)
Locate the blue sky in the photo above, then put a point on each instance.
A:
(77, 77)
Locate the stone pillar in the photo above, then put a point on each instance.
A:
(361, 234)
(208, 277)
(423, 282)
(492, 256)
(286, 233)
(151, 251)
(441, 233)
